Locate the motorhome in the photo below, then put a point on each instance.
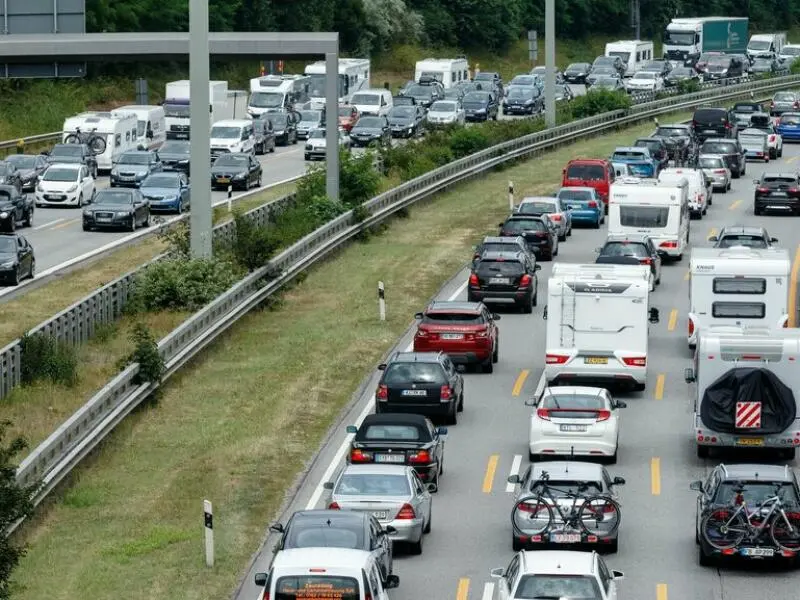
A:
(745, 380)
(738, 286)
(119, 133)
(176, 106)
(447, 71)
(598, 319)
(278, 93)
(655, 208)
(634, 54)
(151, 128)
(766, 45)
(354, 76)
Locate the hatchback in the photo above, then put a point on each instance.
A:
(584, 205)
(710, 122)
(503, 277)
(749, 236)
(638, 247)
(553, 208)
(493, 243)
(716, 170)
(731, 151)
(784, 102)
(540, 233)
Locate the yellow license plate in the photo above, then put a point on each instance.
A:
(595, 360)
(224, 180)
(750, 442)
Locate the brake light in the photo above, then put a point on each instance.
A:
(592, 204)
(635, 361)
(762, 190)
(383, 393)
(525, 280)
(421, 457)
(772, 138)
(446, 393)
(334, 506)
(473, 280)
(531, 508)
(727, 125)
(719, 171)
(556, 218)
(795, 105)
(407, 512)
(792, 190)
(645, 261)
(543, 413)
(359, 456)
(603, 415)
(668, 244)
(691, 326)
(555, 359)
(541, 234)
(694, 123)
(772, 104)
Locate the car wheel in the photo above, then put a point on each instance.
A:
(562, 238)
(569, 231)
(15, 277)
(28, 222)
(703, 559)
(555, 253)
(147, 220)
(527, 305)
(488, 366)
(32, 270)
(415, 548)
(132, 226)
(612, 548)
(780, 152)
(430, 516)
(452, 417)
(460, 406)
(597, 224)
(535, 297)
(496, 352)
(87, 228)
(703, 451)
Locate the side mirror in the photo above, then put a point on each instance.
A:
(620, 404)
(495, 317)
(773, 240)
(392, 581)
(617, 575)
(618, 481)
(328, 485)
(260, 579)
(432, 487)
(654, 315)
(513, 479)
(382, 367)
(276, 528)
(713, 238)
(688, 375)
(441, 430)
(696, 486)
(389, 529)
(537, 267)
(149, 135)
(598, 250)
(418, 316)
(544, 313)
(497, 573)
(352, 429)
(756, 181)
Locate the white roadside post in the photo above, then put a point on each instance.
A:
(230, 197)
(208, 522)
(511, 196)
(381, 301)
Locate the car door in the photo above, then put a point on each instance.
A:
(381, 545)
(87, 184)
(422, 497)
(655, 257)
(185, 190)
(506, 583)
(255, 169)
(141, 207)
(608, 586)
(24, 254)
(375, 584)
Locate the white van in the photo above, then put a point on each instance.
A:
(597, 324)
(699, 198)
(340, 573)
(766, 45)
(119, 133)
(738, 286)
(377, 102)
(234, 135)
(447, 71)
(657, 209)
(151, 129)
(634, 54)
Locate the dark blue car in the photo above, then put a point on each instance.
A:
(167, 191)
(584, 205)
(639, 159)
(788, 127)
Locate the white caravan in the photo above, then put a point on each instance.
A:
(447, 71)
(634, 54)
(766, 45)
(738, 286)
(354, 74)
(119, 133)
(151, 128)
(658, 209)
(277, 93)
(745, 380)
(597, 324)
(699, 198)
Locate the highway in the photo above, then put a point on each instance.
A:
(471, 529)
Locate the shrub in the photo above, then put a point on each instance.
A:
(468, 141)
(358, 180)
(145, 352)
(688, 86)
(45, 358)
(595, 102)
(794, 67)
(253, 245)
(177, 239)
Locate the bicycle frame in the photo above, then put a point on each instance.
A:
(755, 531)
(568, 515)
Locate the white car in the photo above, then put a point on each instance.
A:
(645, 81)
(317, 143)
(65, 185)
(443, 112)
(556, 574)
(574, 421)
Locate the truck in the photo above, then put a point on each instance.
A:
(686, 39)
(176, 106)
(744, 379)
(766, 45)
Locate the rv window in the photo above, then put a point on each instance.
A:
(127, 136)
(738, 285)
(118, 140)
(644, 216)
(738, 310)
(141, 127)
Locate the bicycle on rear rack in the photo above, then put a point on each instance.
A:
(96, 142)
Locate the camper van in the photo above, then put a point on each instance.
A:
(277, 93)
(738, 286)
(119, 132)
(634, 54)
(658, 209)
(151, 129)
(597, 324)
(746, 381)
(447, 71)
(354, 76)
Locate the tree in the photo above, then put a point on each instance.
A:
(15, 503)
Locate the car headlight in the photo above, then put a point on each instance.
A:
(529, 102)
(183, 162)
(114, 173)
(280, 132)
(481, 110)
(3, 215)
(125, 213)
(309, 147)
(141, 175)
(39, 188)
(87, 213)
(240, 176)
(72, 188)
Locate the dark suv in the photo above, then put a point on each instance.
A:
(710, 122)
(731, 152)
(505, 277)
(634, 248)
(423, 383)
(540, 233)
(723, 67)
(777, 191)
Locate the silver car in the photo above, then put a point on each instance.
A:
(394, 494)
(784, 102)
(717, 172)
(552, 207)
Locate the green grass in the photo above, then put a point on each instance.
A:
(239, 424)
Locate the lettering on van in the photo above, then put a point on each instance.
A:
(598, 288)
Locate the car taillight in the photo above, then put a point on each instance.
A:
(556, 218)
(762, 190)
(531, 508)
(795, 105)
(635, 361)
(792, 190)
(727, 126)
(668, 244)
(592, 204)
(483, 333)
(446, 393)
(382, 393)
(645, 261)
(719, 171)
(543, 413)
(603, 415)
(334, 506)
(359, 456)
(525, 280)
(772, 104)
(541, 234)
(772, 138)
(421, 457)
(694, 124)
(473, 280)
(556, 359)
(691, 326)
(407, 512)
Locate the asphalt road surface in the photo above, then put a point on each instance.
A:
(471, 531)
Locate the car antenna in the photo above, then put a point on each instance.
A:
(328, 522)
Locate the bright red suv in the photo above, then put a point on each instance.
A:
(465, 331)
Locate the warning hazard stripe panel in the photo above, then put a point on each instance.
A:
(748, 415)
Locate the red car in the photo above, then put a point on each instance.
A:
(348, 115)
(597, 173)
(465, 331)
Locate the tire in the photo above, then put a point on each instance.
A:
(780, 152)
(72, 138)
(596, 225)
(588, 507)
(452, 417)
(132, 226)
(516, 545)
(460, 408)
(737, 519)
(147, 220)
(415, 548)
(488, 367)
(613, 547)
(703, 559)
(28, 221)
(703, 451)
(94, 172)
(430, 516)
(536, 297)
(97, 145)
(15, 278)
(527, 305)
(12, 224)
(496, 352)
(80, 200)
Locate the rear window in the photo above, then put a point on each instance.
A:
(390, 432)
(756, 492)
(785, 96)
(651, 144)
(417, 372)
(315, 534)
(317, 587)
(583, 587)
(711, 116)
(624, 249)
(586, 172)
(373, 484)
(575, 195)
(751, 241)
(520, 225)
(581, 402)
(628, 154)
(739, 285)
(746, 108)
(718, 148)
(790, 120)
(439, 318)
(536, 208)
(778, 179)
(711, 163)
(565, 487)
(499, 247)
(643, 216)
(738, 310)
(494, 268)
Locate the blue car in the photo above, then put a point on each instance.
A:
(642, 163)
(167, 192)
(584, 205)
(788, 126)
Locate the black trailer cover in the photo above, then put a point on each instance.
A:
(778, 407)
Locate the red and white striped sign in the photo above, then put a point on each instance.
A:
(748, 415)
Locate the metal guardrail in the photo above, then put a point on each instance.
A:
(54, 458)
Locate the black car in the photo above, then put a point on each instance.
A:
(659, 67)
(490, 80)
(679, 140)
(15, 207)
(602, 72)
(403, 101)
(406, 121)
(779, 192)
(174, 155)
(728, 487)
(505, 277)
(480, 106)
(382, 437)
(285, 127)
(119, 208)
(17, 260)
(539, 233)
(634, 248)
(713, 122)
(658, 149)
(523, 101)
(239, 170)
(679, 74)
(749, 236)
(73, 153)
(723, 67)
(422, 383)
(730, 150)
(371, 130)
(133, 167)
(577, 72)
(265, 136)
(10, 175)
(425, 93)
(30, 167)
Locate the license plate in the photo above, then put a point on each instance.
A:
(103, 219)
(415, 392)
(224, 180)
(380, 514)
(709, 131)
(53, 197)
(779, 194)
(390, 458)
(452, 336)
(498, 281)
(750, 442)
(566, 538)
(573, 427)
(595, 360)
(767, 552)
(182, 136)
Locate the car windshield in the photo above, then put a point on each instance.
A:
(446, 107)
(161, 181)
(628, 154)
(511, 246)
(719, 148)
(420, 91)
(311, 533)
(175, 148)
(454, 318)
(785, 97)
(60, 174)
(706, 162)
(266, 99)
(759, 45)
(523, 80)
(67, 150)
(345, 111)
(401, 373)
(113, 197)
(21, 162)
(521, 225)
(476, 97)
(576, 195)
(388, 431)
(228, 160)
(578, 67)
(370, 122)
(497, 268)
(537, 208)
(316, 134)
(402, 112)
(755, 492)
(574, 587)
(586, 172)
(8, 245)
(624, 249)
(6, 168)
(301, 587)
(226, 133)
(751, 241)
(373, 484)
(176, 110)
(644, 75)
(566, 487)
(366, 99)
(654, 217)
(134, 159)
(311, 116)
(778, 179)
(519, 92)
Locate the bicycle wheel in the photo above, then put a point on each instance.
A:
(785, 531)
(600, 516)
(97, 144)
(723, 528)
(532, 516)
(72, 138)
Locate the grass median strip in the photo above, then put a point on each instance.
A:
(238, 424)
